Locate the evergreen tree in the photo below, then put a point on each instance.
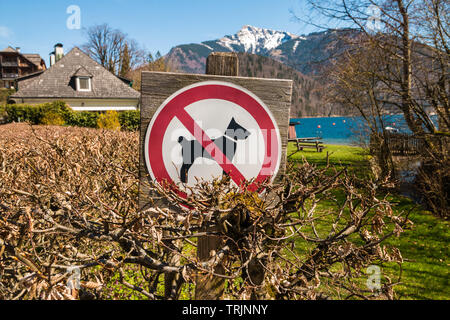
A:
(150, 59)
(125, 62)
(111, 66)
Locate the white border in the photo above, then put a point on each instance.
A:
(89, 82)
(114, 108)
(204, 83)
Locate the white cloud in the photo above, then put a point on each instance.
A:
(5, 32)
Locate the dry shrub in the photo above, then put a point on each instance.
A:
(433, 184)
(68, 199)
(50, 172)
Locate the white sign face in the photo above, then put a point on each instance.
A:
(209, 129)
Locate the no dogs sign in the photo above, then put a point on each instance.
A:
(203, 127)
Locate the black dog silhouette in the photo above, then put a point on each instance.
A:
(192, 149)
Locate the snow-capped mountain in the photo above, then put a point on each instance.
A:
(255, 40)
(274, 54)
(304, 53)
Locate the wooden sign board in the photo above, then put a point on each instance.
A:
(185, 117)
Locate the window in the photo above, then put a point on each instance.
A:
(84, 84)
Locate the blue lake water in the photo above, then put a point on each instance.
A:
(344, 130)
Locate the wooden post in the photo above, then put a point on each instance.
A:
(219, 64)
(223, 64)
(209, 288)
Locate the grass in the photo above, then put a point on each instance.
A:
(338, 155)
(426, 255)
(424, 247)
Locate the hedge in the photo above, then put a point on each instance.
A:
(129, 120)
(58, 113)
(109, 120)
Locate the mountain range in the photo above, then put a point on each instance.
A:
(306, 59)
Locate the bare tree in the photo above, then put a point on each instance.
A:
(413, 37)
(402, 58)
(356, 86)
(157, 63)
(108, 47)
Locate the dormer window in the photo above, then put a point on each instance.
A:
(84, 84)
(83, 80)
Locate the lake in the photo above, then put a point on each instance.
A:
(344, 130)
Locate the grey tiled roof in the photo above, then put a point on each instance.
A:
(82, 72)
(59, 82)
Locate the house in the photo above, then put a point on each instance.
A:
(80, 81)
(14, 64)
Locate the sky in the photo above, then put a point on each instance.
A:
(157, 25)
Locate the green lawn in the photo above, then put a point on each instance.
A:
(424, 247)
(338, 155)
(426, 255)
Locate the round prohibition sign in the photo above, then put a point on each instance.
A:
(177, 106)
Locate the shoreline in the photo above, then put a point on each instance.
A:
(348, 116)
(321, 117)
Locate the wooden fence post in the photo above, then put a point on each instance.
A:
(220, 64)
(223, 64)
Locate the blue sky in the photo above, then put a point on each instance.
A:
(36, 26)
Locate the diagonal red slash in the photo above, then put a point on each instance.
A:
(174, 107)
(210, 147)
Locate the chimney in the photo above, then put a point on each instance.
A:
(18, 49)
(59, 52)
(52, 58)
